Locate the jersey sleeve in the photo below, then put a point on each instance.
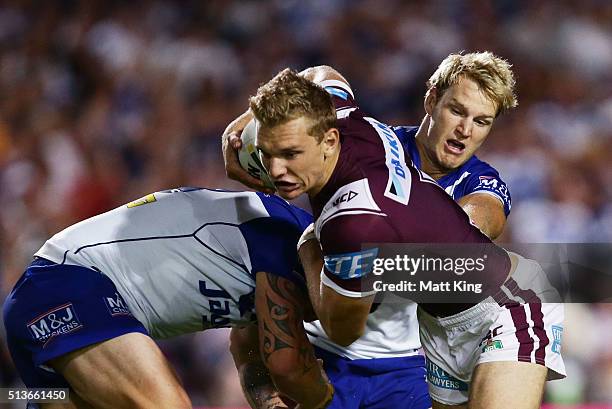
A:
(349, 253)
(485, 179)
(342, 96)
(272, 241)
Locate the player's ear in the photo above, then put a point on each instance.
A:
(431, 98)
(331, 141)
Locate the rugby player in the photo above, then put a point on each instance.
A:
(464, 96)
(390, 339)
(334, 161)
(85, 311)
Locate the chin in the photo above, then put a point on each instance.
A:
(290, 195)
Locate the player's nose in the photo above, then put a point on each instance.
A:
(276, 168)
(465, 127)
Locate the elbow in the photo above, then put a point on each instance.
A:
(286, 373)
(240, 347)
(346, 339)
(341, 334)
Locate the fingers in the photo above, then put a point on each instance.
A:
(234, 140)
(232, 143)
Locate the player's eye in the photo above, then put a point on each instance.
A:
(290, 155)
(263, 155)
(483, 122)
(455, 111)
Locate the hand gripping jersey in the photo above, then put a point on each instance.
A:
(474, 176)
(185, 259)
(375, 196)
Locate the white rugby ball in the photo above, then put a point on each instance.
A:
(248, 155)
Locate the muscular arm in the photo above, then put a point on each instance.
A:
(486, 212)
(285, 349)
(343, 318)
(255, 380)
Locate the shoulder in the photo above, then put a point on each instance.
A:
(284, 212)
(477, 176)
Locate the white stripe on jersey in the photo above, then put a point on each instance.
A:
(338, 84)
(451, 189)
(344, 112)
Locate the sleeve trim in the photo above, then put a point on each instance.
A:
(498, 197)
(337, 84)
(342, 291)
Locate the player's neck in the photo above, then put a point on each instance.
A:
(329, 167)
(428, 164)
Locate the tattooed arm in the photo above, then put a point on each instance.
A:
(284, 347)
(255, 380)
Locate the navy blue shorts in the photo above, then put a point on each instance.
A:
(376, 383)
(55, 309)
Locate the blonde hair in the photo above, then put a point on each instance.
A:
(492, 74)
(289, 96)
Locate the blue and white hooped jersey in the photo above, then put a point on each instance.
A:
(474, 176)
(185, 259)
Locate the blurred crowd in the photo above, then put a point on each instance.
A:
(102, 102)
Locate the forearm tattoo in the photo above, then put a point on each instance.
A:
(281, 322)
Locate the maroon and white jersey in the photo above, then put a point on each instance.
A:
(375, 195)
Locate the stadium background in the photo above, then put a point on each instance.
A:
(102, 102)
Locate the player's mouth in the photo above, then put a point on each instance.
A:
(286, 187)
(454, 146)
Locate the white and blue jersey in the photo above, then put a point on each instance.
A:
(170, 263)
(474, 176)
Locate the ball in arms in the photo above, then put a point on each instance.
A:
(249, 156)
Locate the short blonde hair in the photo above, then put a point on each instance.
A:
(289, 96)
(493, 75)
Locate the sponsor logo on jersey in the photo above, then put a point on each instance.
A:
(493, 184)
(353, 199)
(398, 184)
(58, 321)
(492, 344)
(116, 305)
(442, 379)
(351, 265)
(487, 182)
(150, 198)
(557, 335)
(503, 191)
(345, 197)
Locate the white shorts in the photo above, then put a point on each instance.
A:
(488, 332)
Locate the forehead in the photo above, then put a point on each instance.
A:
(467, 93)
(292, 134)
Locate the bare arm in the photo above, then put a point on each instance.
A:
(255, 380)
(486, 212)
(343, 318)
(284, 347)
